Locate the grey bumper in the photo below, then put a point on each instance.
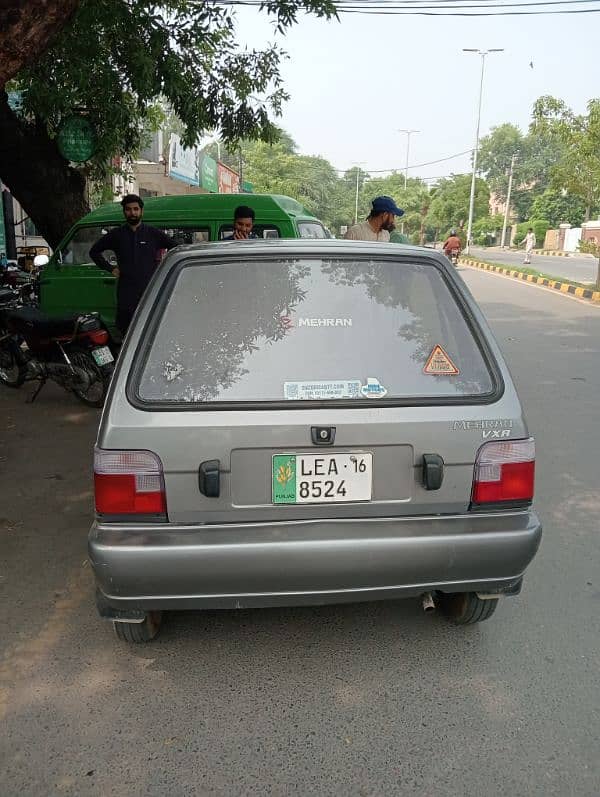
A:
(309, 562)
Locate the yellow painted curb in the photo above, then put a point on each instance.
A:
(587, 294)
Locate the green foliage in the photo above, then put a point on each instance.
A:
(540, 228)
(116, 58)
(450, 202)
(558, 208)
(487, 231)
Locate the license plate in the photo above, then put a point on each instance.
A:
(102, 355)
(322, 478)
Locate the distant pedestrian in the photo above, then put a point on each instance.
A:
(379, 223)
(3, 261)
(529, 242)
(139, 248)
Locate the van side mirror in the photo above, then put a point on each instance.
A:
(39, 261)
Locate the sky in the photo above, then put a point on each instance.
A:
(355, 83)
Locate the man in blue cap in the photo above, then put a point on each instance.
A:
(380, 222)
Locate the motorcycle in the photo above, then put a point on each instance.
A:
(453, 255)
(71, 351)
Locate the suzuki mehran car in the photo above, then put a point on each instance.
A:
(309, 422)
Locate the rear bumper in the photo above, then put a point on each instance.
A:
(308, 562)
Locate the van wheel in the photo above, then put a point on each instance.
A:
(465, 608)
(139, 632)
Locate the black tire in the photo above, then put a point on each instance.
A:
(139, 632)
(465, 608)
(95, 394)
(12, 372)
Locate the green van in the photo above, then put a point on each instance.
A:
(71, 283)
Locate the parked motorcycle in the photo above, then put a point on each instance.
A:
(71, 351)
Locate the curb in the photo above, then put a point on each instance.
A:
(557, 285)
(551, 253)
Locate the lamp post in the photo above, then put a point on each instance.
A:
(483, 54)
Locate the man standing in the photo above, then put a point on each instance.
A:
(380, 222)
(243, 222)
(529, 242)
(139, 249)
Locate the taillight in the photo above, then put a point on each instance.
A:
(504, 473)
(99, 337)
(129, 483)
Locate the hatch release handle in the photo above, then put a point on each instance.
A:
(433, 471)
(209, 478)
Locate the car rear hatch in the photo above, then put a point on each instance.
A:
(306, 387)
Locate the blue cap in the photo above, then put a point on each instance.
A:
(385, 204)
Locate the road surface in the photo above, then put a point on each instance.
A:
(366, 700)
(577, 269)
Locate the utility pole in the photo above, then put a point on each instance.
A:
(409, 133)
(358, 165)
(507, 209)
(483, 54)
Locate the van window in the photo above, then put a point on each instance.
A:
(312, 229)
(187, 235)
(77, 250)
(300, 329)
(260, 230)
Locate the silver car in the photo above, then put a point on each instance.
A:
(308, 422)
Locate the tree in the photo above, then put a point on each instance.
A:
(29, 27)
(558, 207)
(450, 202)
(578, 170)
(112, 62)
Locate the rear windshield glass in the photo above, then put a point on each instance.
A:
(311, 329)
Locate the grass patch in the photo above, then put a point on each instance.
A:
(527, 270)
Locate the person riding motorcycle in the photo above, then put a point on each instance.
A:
(452, 246)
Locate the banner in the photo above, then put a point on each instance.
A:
(183, 162)
(229, 181)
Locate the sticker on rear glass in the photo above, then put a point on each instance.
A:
(320, 390)
(373, 389)
(439, 364)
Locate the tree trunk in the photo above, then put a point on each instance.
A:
(51, 192)
(28, 29)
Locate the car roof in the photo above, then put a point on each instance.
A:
(209, 206)
(328, 247)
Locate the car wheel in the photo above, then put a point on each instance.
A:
(466, 608)
(139, 632)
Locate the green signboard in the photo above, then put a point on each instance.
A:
(77, 139)
(209, 174)
(247, 188)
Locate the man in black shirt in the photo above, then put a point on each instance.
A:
(139, 249)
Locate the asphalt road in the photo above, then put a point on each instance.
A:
(366, 700)
(578, 269)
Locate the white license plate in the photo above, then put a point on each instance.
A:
(102, 355)
(322, 478)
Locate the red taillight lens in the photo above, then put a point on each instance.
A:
(129, 483)
(100, 337)
(504, 472)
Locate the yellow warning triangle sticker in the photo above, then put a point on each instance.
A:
(440, 364)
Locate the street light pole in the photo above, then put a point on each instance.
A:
(483, 54)
(507, 209)
(408, 135)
